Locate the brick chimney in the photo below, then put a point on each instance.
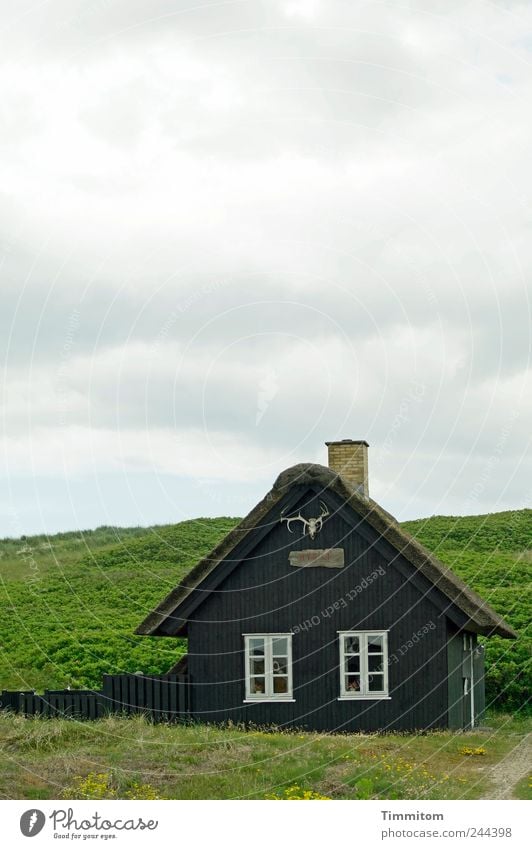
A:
(349, 458)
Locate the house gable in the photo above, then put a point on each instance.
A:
(305, 485)
(260, 585)
(266, 594)
(175, 623)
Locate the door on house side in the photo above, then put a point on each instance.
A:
(468, 682)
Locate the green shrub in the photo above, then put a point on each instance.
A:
(71, 602)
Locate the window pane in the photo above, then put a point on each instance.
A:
(280, 684)
(279, 646)
(268, 670)
(256, 646)
(352, 683)
(351, 645)
(376, 682)
(375, 662)
(352, 663)
(374, 643)
(256, 666)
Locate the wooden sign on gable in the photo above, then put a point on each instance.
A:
(333, 558)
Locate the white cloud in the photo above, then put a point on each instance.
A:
(76, 452)
(307, 9)
(334, 195)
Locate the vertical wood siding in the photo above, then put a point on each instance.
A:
(455, 681)
(265, 594)
(160, 698)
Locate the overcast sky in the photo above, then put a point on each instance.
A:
(231, 231)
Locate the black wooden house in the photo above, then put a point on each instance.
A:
(318, 611)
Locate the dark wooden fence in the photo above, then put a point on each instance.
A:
(160, 698)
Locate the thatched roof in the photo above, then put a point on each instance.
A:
(481, 616)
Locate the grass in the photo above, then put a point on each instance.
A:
(71, 602)
(131, 758)
(523, 789)
(493, 554)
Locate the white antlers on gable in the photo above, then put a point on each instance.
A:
(314, 525)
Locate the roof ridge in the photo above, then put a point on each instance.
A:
(478, 611)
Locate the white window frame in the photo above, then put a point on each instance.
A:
(268, 695)
(467, 642)
(364, 694)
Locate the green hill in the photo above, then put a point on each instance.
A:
(70, 602)
(493, 554)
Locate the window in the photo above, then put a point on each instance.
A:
(363, 664)
(268, 670)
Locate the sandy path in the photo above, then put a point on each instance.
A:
(505, 775)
